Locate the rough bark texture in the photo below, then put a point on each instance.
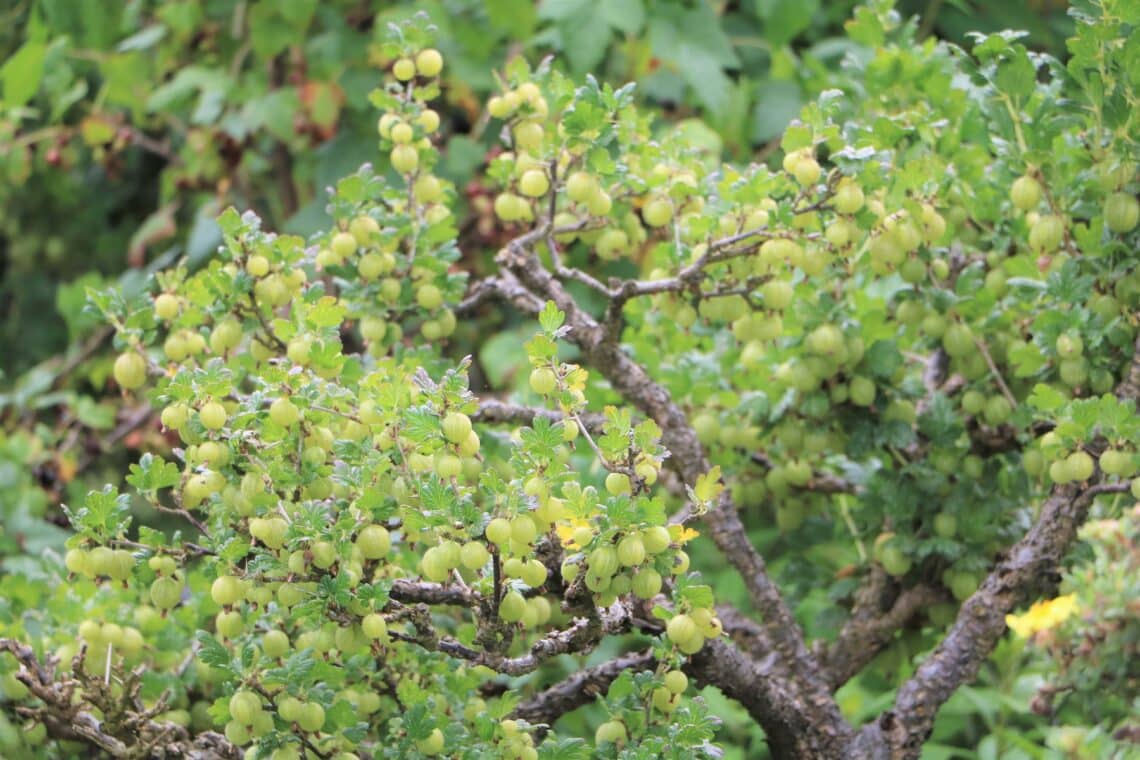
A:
(881, 609)
(580, 688)
(1029, 569)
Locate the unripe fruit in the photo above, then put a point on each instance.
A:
(657, 212)
(175, 416)
(958, 340)
(374, 542)
(997, 410)
(448, 466)
(894, 561)
(227, 590)
(1121, 212)
(543, 380)
(429, 297)
(404, 69)
(807, 171)
(498, 531)
(647, 583)
(681, 628)
(656, 539)
(166, 306)
(611, 732)
(617, 484)
(945, 525)
(580, 187)
(603, 561)
(861, 391)
(631, 551)
(343, 245)
(848, 196)
(676, 681)
(534, 573)
(528, 136)
(374, 626)
(429, 63)
(311, 717)
(473, 555)
(534, 183)
(212, 415)
(284, 412)
(499, 107)
(427, 189)
(512, 607)
(456, 427)
(1079, 465)
(523, 529)
(428, 120)
(130, 370)
(1025, 193)
(432, 744)
(165, 593)
(244, 707)
(257, 265)
(404, 158)
(1070, 346)
(275, 643)
(1116, 462)
(435, 567)
(402, 133)
(1046, 235)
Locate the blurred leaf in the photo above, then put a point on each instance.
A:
(22, 72)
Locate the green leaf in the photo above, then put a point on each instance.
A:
(517, 17)
(213, 652)
(152, 473)
(698, 595)
(22, 72)
(1016, 76)
(883, 359)
(708, 486)
(550, 318)
(1046, 398)
(328, 312)
(785, 19)
(625, 15)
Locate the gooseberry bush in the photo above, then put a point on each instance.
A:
(909, 347)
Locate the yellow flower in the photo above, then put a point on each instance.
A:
(1042, 615)
(682, 534)
(565, 531)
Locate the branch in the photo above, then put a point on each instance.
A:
(628, 378)
(494, 411)
(410, 592)
(503, 287)
(580, 688)
(880, 610)
(790, 719)
(134, 733)
(580, 638)
(1029, 568)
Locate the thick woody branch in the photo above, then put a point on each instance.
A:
(880, 610)
(789, 715)
(1029, 569)
(580, 688)
(628, 378)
